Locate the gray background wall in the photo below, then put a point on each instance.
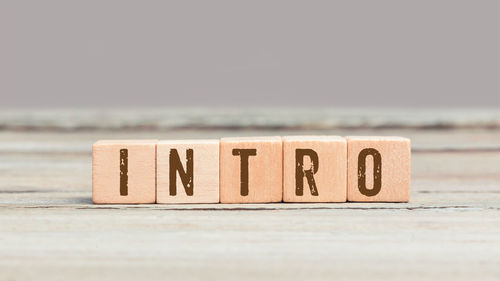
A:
(319, 53)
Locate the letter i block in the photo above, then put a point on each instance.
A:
(378, 169)
(251, 170)
(314, 169)
(124, 171)
(188, 171)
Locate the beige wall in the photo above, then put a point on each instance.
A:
(391, 53)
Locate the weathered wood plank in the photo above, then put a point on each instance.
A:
(49, 229)
(245, 118)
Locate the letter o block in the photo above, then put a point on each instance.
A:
(251, 170)
(314, 169)
(123, 172)
(378, 169)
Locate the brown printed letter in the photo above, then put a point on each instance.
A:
(300, 172)
(377, 172)
(186, 176)
(244, 155)
(123, 172)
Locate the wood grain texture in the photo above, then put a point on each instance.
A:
(50, 230)
(255, 177)
(328, 173)
(124, 171)
(378, 169)
(205, 173)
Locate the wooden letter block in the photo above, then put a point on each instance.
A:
(251, 170)
(314, 169)
(124, 171)
(378, 169)
(188, 171)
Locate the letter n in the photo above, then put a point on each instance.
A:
(185, 175)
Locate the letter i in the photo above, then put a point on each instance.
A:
(123, 172)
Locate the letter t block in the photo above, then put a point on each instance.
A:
(251, 170)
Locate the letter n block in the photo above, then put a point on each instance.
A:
(124, 171)
(314, 169)
(251, 170)
(188, 171)
(378, 169)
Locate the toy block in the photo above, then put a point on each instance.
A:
(124, 171)
(314, 169)
(188, 171)
(378, 169)
(251, 170)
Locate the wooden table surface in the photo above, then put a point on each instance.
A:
(50, 230)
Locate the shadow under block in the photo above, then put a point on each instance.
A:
(124, 171)
(251, 170)
(188, 171)
(314, 169)
(378, 169)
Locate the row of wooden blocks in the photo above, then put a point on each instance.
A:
(252, 170)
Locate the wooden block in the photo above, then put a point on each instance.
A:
(124, 171)
(314, 169)
(378, 169)
(251, 170)
(188, 171)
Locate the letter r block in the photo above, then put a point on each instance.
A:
(314, 169)
(378, 169)
(123, 171)
(188, 171)
(251, 170)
